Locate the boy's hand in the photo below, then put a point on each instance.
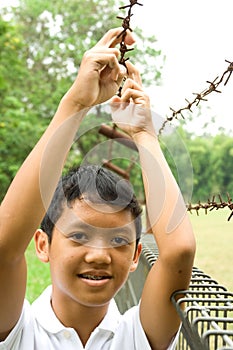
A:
(100, 73)
(131, 112)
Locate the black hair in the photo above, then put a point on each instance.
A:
(100, 185)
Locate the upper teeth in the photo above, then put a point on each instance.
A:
(93, 277)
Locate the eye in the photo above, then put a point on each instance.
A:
(79, 237)
(119, 241)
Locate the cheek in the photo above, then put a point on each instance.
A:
(62, 270)
(125, 260)
(61, 261)
(123, 271)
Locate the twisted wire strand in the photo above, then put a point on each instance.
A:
(213, 204)
(213, 87)
(126, 26)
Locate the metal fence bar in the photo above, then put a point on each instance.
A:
(206, 308)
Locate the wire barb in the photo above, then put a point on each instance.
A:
(213, 204)
(213, 87)
(126, 26)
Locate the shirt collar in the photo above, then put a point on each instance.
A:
(44, 314)
(111, 319)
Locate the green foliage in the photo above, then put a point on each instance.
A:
(175, 149)
(10, 43)
(222, 167)
(38, 274)
(203, 167)
(17, 137)
(41, 50)
(55, 38)
(17, 134)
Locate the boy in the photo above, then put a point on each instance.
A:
(92, 230)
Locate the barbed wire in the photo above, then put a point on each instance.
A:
(213, 87)
(114, 134)
(126, 26)
(213, 204)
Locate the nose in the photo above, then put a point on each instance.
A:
(97, 254)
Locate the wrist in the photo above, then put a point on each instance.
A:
(67, 109)
(144, 136)
(70, 105)
(67, 115)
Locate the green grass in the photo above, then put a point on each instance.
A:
(38, 274)
(214, 256)
(214, 237)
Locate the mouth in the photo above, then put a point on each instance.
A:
(94, 277)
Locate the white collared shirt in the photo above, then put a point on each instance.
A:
(38, 328)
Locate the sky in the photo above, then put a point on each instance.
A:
(196, 38)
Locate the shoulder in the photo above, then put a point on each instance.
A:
(130, 332)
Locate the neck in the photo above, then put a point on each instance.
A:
(83, 319)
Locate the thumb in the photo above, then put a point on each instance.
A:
(121, 75)
(115, 99)
(115, 103)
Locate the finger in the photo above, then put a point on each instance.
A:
(129, 94)
(102, 60)
(103, 50)
(139, 97)
(134, 73)
(119, 75)
(115, 103)
(128, 39)
(115, 99)
(111, 39)
(131, 84)
(112, 68)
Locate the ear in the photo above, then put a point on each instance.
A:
(42, 245)
(135, 261)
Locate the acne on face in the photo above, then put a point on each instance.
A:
(97, 224)
(88, 242)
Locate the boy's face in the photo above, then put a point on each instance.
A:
(91, 253)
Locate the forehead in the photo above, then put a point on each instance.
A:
(84, 213)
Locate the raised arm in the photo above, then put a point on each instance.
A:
(167, 215)
(31, 191)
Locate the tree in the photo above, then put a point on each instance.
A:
(55, 37)
(222, 165)
(175, 146)
(16, 127)
(51, 39)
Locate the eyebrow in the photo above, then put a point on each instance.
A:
(80, 225)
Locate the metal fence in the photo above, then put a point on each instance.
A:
(206, 308)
